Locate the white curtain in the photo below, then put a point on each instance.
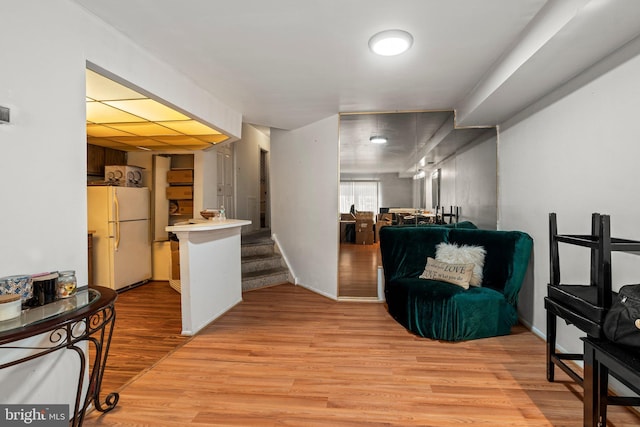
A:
(362, 194)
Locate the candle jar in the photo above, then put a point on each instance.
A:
(45, 289)
(67, 284)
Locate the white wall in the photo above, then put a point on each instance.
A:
(43, 152)
(395, 191)
(574, 152)
(448, 173)
(476, 183)
(247, 155)
(468, 179)
(304, 202)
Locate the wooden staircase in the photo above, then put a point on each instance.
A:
(262, 266)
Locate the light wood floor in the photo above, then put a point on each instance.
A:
(288, 357)
(148, 326)
(358, 270)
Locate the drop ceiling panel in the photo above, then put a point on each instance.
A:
(98, 112)
(144, 129)
(148, 109)
(139, 141)
(195, 147)
(180, 140)
(121, 118)
(104, 131)
(213, 139)
(102, 89)
(191, 127)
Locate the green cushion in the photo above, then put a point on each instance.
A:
(448, 312)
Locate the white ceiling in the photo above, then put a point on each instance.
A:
(289, 63)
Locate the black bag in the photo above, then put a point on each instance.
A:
(622, 322)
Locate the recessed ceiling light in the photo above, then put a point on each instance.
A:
(378, 140)
(390, 42)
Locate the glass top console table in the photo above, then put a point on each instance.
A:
(87, 316)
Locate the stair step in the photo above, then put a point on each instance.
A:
(260, 279)
(258, 262)
(261, 265)
(259, 248)
(250, 240)
(256, 236)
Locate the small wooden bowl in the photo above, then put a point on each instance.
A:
(209, 214)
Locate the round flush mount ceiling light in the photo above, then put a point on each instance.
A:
(390, 42)
(378, 140)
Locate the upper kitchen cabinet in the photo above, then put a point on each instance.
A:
(114, 157)
(95, 160)
(98, 157)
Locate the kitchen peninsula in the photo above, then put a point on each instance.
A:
(210, 269)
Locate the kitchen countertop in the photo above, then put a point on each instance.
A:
(206, 225)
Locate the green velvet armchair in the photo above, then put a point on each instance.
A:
(444, 311)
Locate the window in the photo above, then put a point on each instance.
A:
(362, 194)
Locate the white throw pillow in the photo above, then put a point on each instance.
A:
(454, 254)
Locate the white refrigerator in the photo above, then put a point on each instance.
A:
(120, 220)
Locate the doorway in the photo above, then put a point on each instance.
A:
(264, 189)
(225, 190)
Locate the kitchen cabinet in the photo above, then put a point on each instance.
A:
(98, 157)
(95, 160)
(114, 157)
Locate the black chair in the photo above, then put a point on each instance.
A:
(584, 306)
(453, 215)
